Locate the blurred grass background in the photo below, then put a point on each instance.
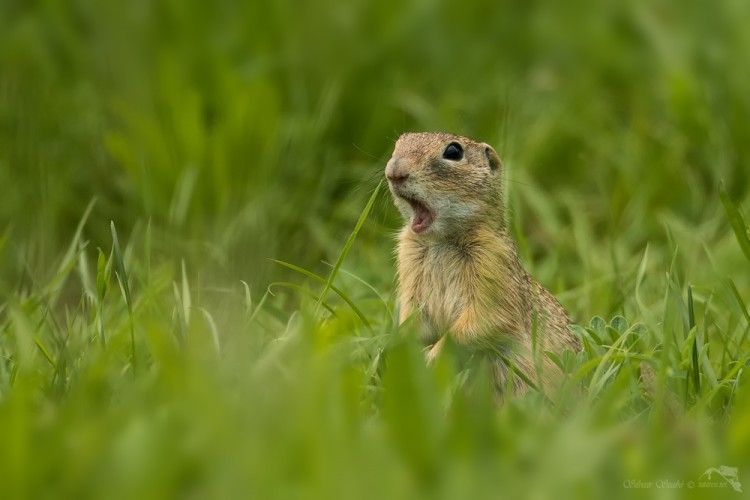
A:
(219, 136)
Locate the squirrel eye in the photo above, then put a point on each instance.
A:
(453, 151)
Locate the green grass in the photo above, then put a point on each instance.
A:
(196, 273)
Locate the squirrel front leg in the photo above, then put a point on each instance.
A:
(405, 310)
(465, 331)
(434, 350)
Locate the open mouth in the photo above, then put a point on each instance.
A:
(422, 215)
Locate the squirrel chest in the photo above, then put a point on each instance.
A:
(434, 283)
(447, 283)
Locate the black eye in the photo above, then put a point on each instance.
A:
(453, 151)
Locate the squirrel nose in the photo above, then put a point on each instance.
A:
(395, 177)
(395, 174)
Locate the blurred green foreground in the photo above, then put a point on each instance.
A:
(180, 181)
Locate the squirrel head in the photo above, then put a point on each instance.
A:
(444, 183)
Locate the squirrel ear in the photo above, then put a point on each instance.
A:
(492, 157)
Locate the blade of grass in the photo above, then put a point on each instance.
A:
(46, 353)
(302, 290)
(512, 367)
(212, 327)
(335, 289)
(643, 266)
(374, 290)
(123, 279)
(730, 377)
(691, 324)
(743, 308)
(348, 245)
(248, 296)
(89, 288)
(179, 310)
(599, 377)
(736, 220)
(103, 273)
(73, 247)
(187, 302)
(258, 307)
(739, 300)
(149, 236)
(54, 288)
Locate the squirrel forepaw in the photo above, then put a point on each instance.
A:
(433, 351)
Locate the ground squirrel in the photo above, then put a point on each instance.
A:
(458, 267)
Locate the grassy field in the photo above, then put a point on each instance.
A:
(196, 255)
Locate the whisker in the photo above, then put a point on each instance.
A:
(365, 152)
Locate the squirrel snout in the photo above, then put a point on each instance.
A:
(396, 177)
(394, 174)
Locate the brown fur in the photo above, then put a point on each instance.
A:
(462, 274)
